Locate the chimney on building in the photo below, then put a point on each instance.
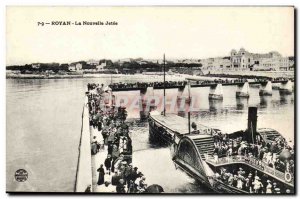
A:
(252, 124)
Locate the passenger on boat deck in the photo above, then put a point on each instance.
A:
(194, 127)
(230, 179)
(263, 152)
(235, 179)
(269, 187)
(240, 181)
(277, 190)
(257, 185)
(216, 158)
(241, 172)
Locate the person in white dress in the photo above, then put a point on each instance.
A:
(257, 184)
(269, 158)
(240, 181)
(269, 187)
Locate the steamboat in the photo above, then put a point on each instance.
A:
(193, 152)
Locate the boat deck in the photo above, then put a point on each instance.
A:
(252, 162)
(176, 123)
(173, 122)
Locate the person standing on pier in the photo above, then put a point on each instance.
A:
(142, 185)
(120, 187)
(128, 174)
(194, 127)
(107, 163)
(115, 155)
(101, 175)
(115, 179)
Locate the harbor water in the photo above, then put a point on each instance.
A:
(44, 122)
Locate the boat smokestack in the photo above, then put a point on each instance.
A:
(252, 124)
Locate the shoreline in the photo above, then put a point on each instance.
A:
(228, 74)
(83, 76)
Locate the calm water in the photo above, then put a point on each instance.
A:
(44, 122)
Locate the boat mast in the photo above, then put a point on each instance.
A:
(164, 85)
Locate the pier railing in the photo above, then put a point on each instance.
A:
(253, 162)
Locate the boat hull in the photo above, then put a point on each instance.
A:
(199, 175)
(158, 137)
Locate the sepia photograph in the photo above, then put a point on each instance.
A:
(151, 100)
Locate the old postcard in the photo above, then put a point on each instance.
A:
(163, 100)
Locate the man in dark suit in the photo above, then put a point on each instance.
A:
(115, 179)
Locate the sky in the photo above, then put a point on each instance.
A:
(147, 32)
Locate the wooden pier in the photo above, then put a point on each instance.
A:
(173, 85)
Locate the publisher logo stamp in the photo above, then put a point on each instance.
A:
(21, 175)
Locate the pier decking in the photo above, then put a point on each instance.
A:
(177, 124)
(98, 159)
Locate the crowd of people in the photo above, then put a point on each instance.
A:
(140, 85)
(121, 85)
(251, 181)
(116, 173)
(276, 154)
(255, 78)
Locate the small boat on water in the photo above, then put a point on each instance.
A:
(193, 152)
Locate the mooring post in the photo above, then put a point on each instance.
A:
(252, 124)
